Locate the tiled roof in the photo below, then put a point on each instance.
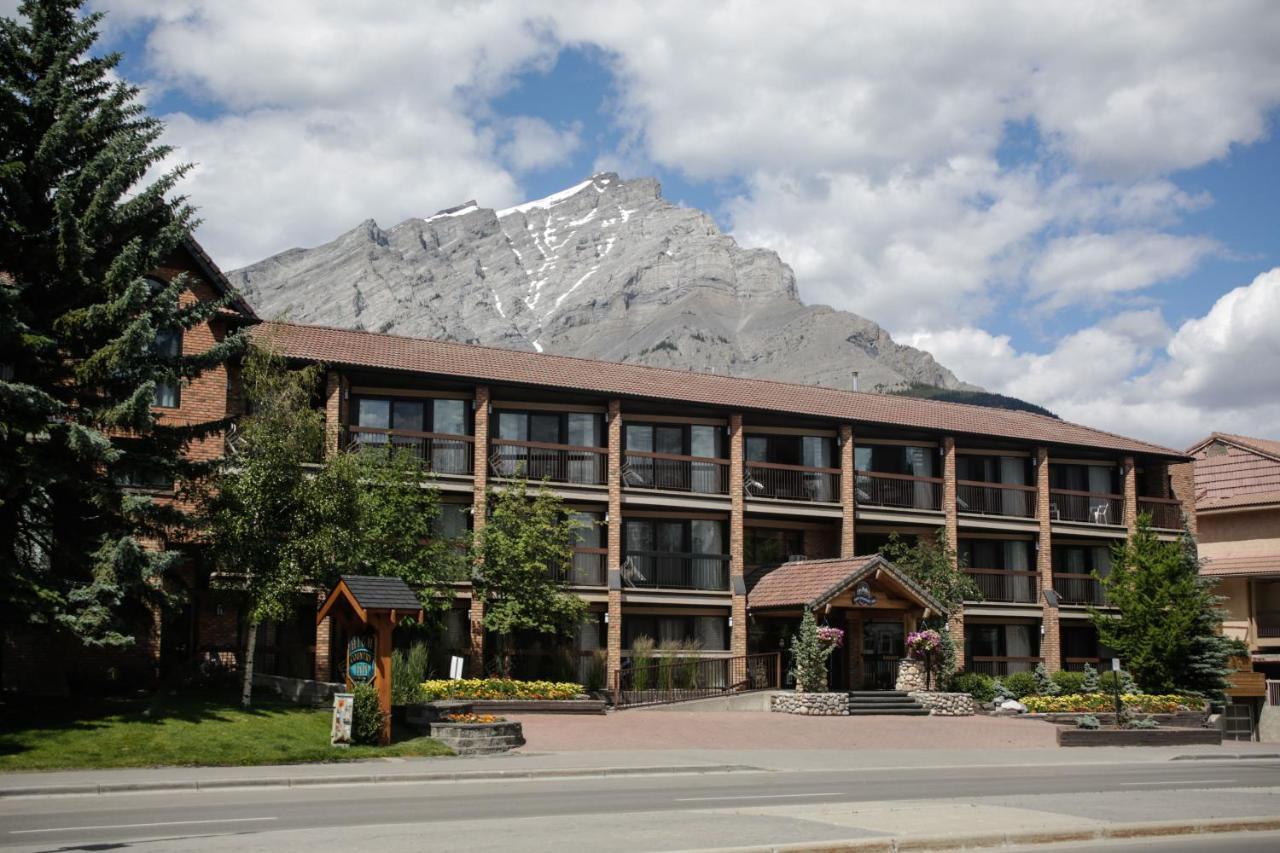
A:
(1228, 567)
(217, 278)
(489, 364)
(809, 583)
(375, 593)
(1236, 471)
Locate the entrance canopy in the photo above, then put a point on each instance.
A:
(858, 582)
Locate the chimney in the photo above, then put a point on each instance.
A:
(855, 380)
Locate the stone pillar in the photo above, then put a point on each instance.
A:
(479, 514)
(951, 512)
(324, 638)
(335, 410)
(848, 493)
(737, 516)
(1050, 646)
(1129, 477)
(613, 561)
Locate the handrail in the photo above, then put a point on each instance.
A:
(1081, 494)
(1000, 665)
(998, 585)
(781, 466)
(412, 433)
(1011, 572)
(1149, 499)
(1017, 486)
(677, 676)
(546, 445)
(675, 457)
(887, 476)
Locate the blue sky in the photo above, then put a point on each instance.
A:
(1071, 204)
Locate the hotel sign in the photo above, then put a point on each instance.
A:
(863, 596)
(360, 666)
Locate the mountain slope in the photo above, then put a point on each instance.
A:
(605, 269)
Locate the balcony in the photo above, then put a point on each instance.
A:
(1166, 513)
(1000, 666)
(559, 463)
(672, 472)
(441, 453)
(1006, 586)
(1086, 507)
(1078, 589)
(792, 482)
(996, 499)
(675, 570)
(1268, 624)
(586, 568)
(1078, 664)
(899, 490)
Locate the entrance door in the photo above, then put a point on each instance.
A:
(882, 648)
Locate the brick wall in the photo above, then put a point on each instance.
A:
(1129, 481)
(1050, 642)
(613, 540)
(848, 491)
(737, 515)
(955, 621)
(479, 514)
(1182, 477)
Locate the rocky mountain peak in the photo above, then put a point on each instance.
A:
(606, 268)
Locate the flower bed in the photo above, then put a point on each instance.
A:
(500, 688)
(1140, 703)
(473, 718)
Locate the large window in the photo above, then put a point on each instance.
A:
(1017, 643)
(1014, 470)
(650, 452)
(1082, 559)
(1098, 479)
(580, 429)
(767, 546)
(543, 445)
(588, 561)
(1014, 555)
(168, 393)
(710, 632)
(675, 553)
(895, 459)
(407, 422)
(814, 451)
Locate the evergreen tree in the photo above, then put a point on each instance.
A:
(809, 656)
(522, 557)
(1090, 683)
(79, 321)
(1168, 628)
(1045, 686)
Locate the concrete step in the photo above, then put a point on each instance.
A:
(888, 712)
(875, 693)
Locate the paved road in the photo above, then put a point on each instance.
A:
(644, 813)
(1247, 842)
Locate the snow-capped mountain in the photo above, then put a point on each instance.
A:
(604, 269)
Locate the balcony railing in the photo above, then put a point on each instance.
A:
(1002, 665)
(672, 472)
(899, 490)
(1086, 507)
(1269, 623)
(1166, 513)
(996, 499)
(1078, 664)
(1078, 589)
(792, 482)
(560, 463)
(440, 452)
(1002, 585)
(586, 567)
(673, 570)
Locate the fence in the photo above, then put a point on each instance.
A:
(676, 678)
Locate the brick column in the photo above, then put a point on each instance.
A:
(848, 492)
(950, 509)
(324, 638)
(1050, 646)
(479, 510)
(1129, 476)
(737, 517)
(613, 560)
(335, 410)
(1182, 476)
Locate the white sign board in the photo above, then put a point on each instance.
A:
(455, 668)
(343, 708)
(1115, 664)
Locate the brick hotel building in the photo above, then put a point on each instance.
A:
(719, 506)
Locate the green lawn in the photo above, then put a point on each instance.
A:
(176, 730)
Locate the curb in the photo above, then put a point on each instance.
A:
(1024, 837)
(1233, 756)
(364, 779)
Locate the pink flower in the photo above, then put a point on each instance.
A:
(833, 637)
(923, 643)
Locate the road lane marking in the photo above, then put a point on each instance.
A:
(140, 825)
(758, 797)
(1183, 782)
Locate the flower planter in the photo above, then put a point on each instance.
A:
(478, 738)
(1138, 737)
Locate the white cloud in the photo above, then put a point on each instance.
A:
(536, 144)
(1099, 267)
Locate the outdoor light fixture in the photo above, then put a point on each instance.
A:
(606, 617)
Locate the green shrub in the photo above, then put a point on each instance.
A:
(1093, 703)
(1144, 723)
(498, 688)
(1021, 684)
(1107, 680)
(366, 715)
(809, 657)
(1002, 692)
(979, 685)
(641, 663)
(1069, 682)
(1044, 684)
(408, 671)
(1088, 721)
(1090, 683)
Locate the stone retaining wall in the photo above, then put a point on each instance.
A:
(300, 691)
(947, 704)
(811, 704)
(478, 738)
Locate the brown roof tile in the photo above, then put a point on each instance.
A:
(1241, 471)
(808, 583)
(1227, 567)
(490, 364)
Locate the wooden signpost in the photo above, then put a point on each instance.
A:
(367, 609)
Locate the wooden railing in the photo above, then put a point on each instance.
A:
(560, 463)
(1002, 665)
(899, 490)
(1002, 585)
(1078, 664)
(440, 452)
(674, 570)
(1078, 588)
(1166, 513)
(1086, 507)
(792, 482)
(996, 499)
(586, 567)
(669, 471)
(673, 677)
(1268, 623)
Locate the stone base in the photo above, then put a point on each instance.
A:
(478, 738)
(910, 676)
(810, 704)
(947, 704)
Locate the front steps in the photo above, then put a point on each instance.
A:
(865, 703)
